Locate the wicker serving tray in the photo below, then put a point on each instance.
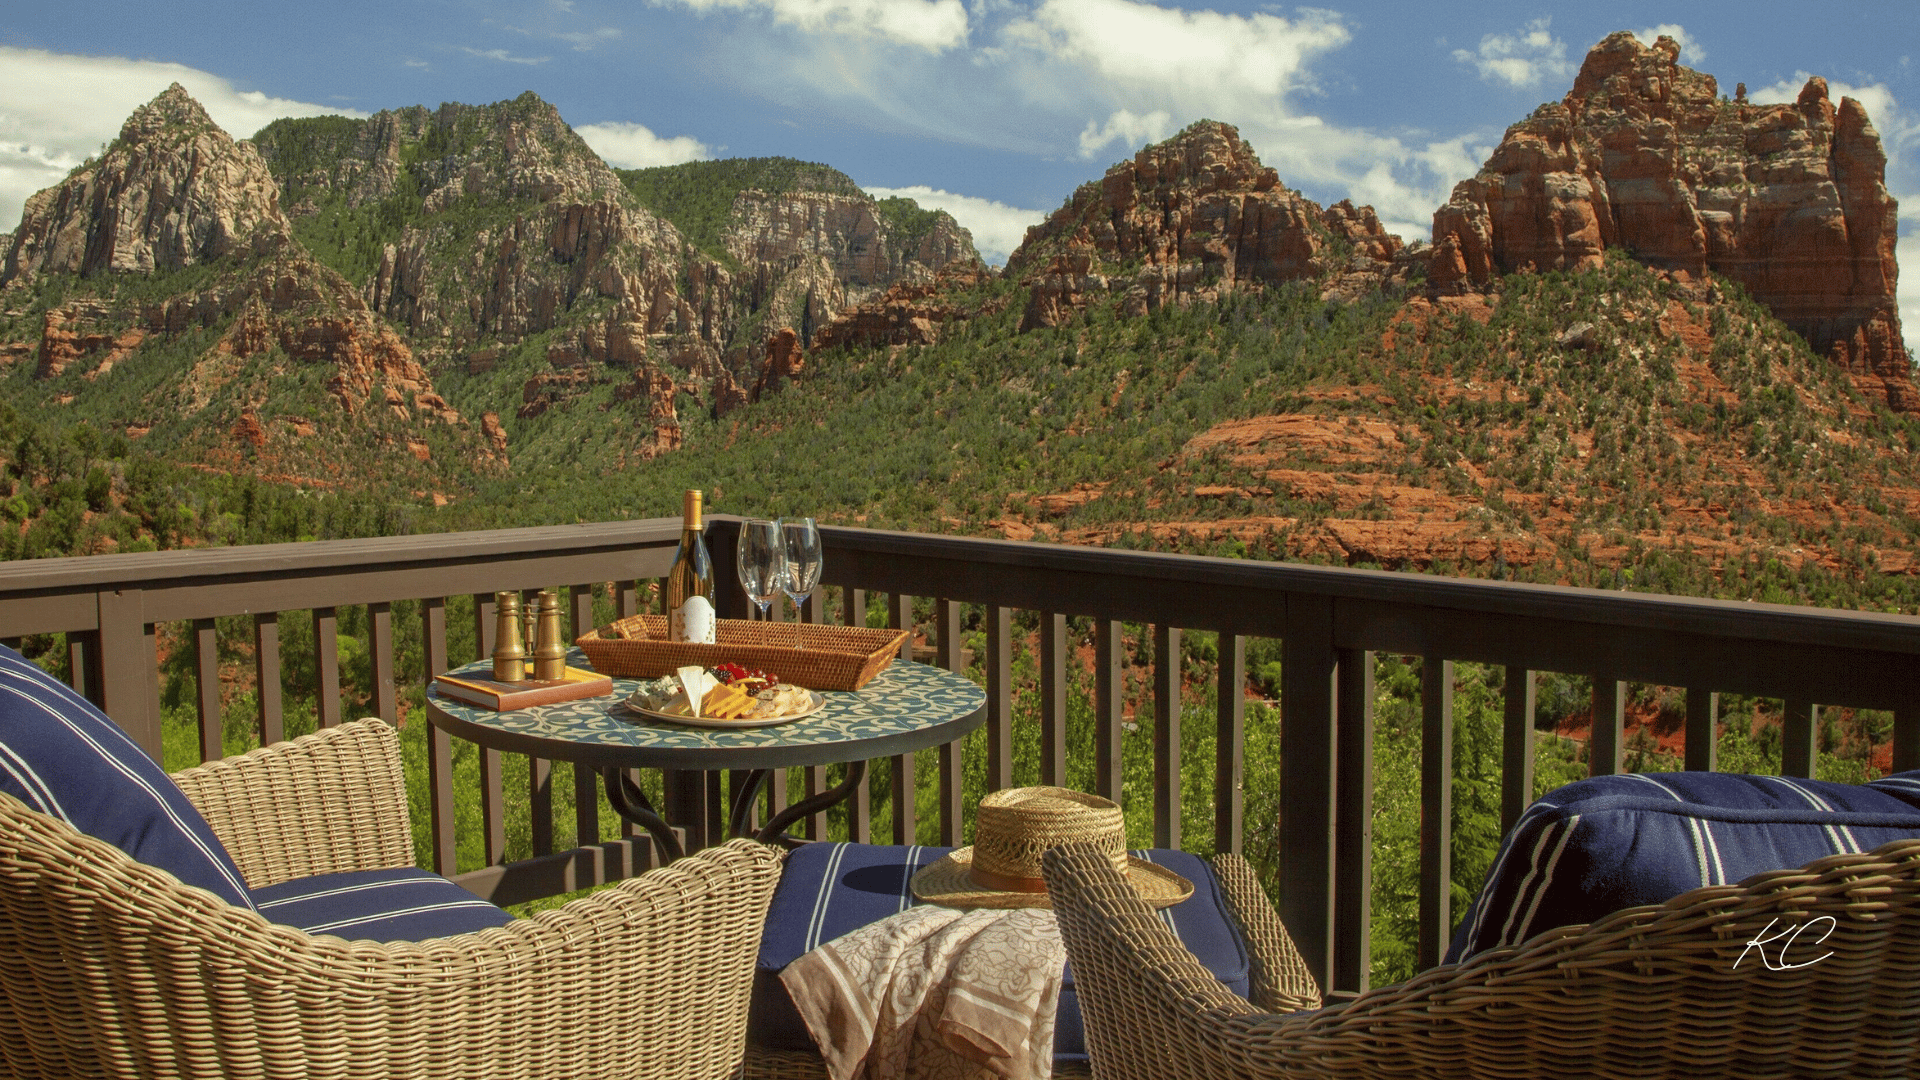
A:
(812, 655)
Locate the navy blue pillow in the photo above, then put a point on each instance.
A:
(400, 904)
(1612, 842)
(66, 759)
(828, 890)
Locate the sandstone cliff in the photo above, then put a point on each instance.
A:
(173, 192)
(810, 254)
(1190, 219)
(1643, 154)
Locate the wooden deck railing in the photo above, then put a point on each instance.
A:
(1330, 621)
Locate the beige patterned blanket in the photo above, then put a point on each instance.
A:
(935, 993)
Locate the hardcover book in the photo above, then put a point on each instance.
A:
(503, 696)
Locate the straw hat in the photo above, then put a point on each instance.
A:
(1002, 868)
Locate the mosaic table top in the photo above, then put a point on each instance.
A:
(906, 707)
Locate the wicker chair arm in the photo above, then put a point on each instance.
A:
(650, 978)
(1281, 981)
(325, 803)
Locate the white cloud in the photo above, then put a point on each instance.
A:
(1128, 129)
(586, 40)
(996, 227)
(503, 56)
(46, 128)
(1691, 53)
(635, 146)
(933, 25)
(1522, 60)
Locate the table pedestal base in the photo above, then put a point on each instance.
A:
(631, 803)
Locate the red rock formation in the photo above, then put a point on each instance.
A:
(784, 363)
(1788, 200)
(62, 342)
(904, 314)
(1193, 218)
(247, 430)
(728, 394)
(496, 434)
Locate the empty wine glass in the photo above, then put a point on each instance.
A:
(761, 559)
(804, 560)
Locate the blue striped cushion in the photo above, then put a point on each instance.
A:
(1613, 842)
(66, 759)
(828, 890)
(378, 905)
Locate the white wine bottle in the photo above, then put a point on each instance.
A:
(690, 582)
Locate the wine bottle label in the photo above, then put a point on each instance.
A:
(693, 621)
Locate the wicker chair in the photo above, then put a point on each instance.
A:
(1674, 990)
(109, 967)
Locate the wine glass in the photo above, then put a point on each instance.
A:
(803, 558)
(762, 561)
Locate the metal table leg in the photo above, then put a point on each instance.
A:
(631, 803)
(774, 831)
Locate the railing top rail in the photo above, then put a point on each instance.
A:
(319, 557)
(1719, 618)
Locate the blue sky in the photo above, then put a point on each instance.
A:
(995, 109)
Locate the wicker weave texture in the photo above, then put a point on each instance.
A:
(1646, 992)
(813, 655)
(1281, 981)
(325, 803)
(110, 968)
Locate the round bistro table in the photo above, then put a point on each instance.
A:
(907, 707)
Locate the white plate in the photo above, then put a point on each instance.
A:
(816, 702)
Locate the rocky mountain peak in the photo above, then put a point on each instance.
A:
(173, 191)
(174, 112)
(1191, 218)
(1789, 200)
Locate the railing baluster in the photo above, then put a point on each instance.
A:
(1606, 746)
(1229, 743)
(1353, 821)
(1166, 736)
(83, 662)
(206, 667)
(540, 798)
(1307, 774)
(326, 666)
(1703, 735)
(1109, 703)
(812, 782)
(626, 598)
(999, 661)
(905, 818)
(266, 677)
(433, 639)
(1053, 699)
(1516, 747)
(776, 793)
(1799, 737)
(1436, 809)
(952, 755)
(386, 702)
(1906, 736)
(493, 803)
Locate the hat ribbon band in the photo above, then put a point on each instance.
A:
(1006, 882)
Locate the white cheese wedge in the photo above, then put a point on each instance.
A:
(697, 682)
